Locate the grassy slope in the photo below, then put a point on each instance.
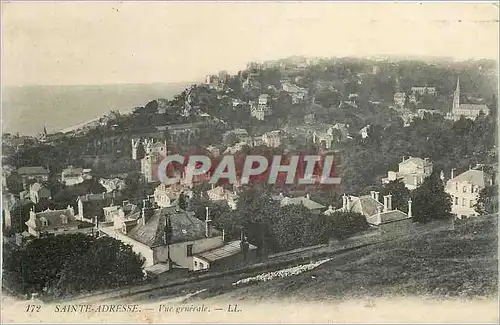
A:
(462, 262)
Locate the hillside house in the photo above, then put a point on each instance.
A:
(56, 222)
(272, 139)
(155, 153)
(399, 99)
(240, 134)
(113, 184)
(171, 238)
(424, 90)
(220, 194)
(37, 173)
(8, 204)
(379, 216)
(261, 109)
(90, 206)
(464, 190)
(166, 195)
(412, 172)
(306, 201)
(298, 94)
(73, 176)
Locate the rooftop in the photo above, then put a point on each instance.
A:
(387, 217)
(474, 177)
(219, 253)
(307, 202)
(185, 227)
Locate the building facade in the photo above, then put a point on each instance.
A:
(464, 191)
(56, 222)
(412, 172)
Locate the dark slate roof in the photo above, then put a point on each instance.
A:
(35, 170)
(185, 227)
(54, 220)
(366, 205)
(389, 216)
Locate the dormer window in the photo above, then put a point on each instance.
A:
(64, 219)
(44, 222)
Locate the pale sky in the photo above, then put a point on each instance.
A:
(146, 42)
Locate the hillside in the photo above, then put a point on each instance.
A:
(460, 263)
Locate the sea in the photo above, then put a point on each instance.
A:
(27, 109)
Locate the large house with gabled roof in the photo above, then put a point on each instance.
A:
(167, 237)
(381, 217)
(56, 222)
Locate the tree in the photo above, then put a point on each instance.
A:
(67, 264)
(107, 263)
(182, 201)
(400, 194)
(430, 201)
(487, 202)
(342, 224)
(42, 260)
(289, 225)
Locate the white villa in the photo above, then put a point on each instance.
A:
(464, 190)
(412, 172)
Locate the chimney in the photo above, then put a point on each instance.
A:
(372, 194)
(223, 235)
(376, 196)
(143, 216)
(403, 158)
(387, 203)
(207, 221)
(452, 173)
(379, 216)
(308, 196)
(409, 209)
(344, 202)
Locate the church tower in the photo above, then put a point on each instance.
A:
(456, 97)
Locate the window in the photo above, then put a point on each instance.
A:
(189, 250)
(44, 222)
(456, 186)
(456, 200)
(64, 219)
(195, 263)
(465, 189)
(471, 204)
(476, 189)
(202, 266)
(464, 202)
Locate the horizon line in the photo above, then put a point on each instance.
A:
(383, 57)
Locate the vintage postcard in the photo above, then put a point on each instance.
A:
(249, 162)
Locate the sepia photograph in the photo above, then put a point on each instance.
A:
(249, 162)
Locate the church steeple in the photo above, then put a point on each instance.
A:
(456, 96)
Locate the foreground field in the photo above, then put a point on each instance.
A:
(459, 263)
